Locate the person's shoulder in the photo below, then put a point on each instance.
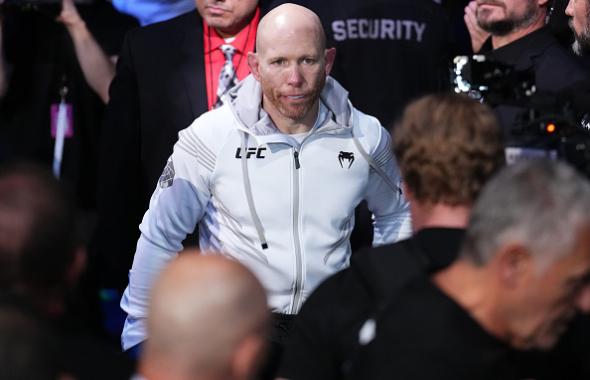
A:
(560, 55)
(370, 259)
(386, 268)
(368, 130)
(551, 51)
(213, 128)
(365, 120)
(561, 68)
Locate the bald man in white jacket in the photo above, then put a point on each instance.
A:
(273, 176)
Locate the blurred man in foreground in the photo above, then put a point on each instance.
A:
(41, 261)
(207, 320)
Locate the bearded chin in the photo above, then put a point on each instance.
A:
(298, 113)
(578, 49)
(510, 23)
(581, 45)
(301, 112)
(498, 28)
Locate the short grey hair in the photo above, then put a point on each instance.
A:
(540, 204)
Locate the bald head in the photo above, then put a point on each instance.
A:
(203, 309)
(291, 63)
(289, 19)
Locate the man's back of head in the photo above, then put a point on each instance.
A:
(207, 320)
(37, 233)
(543, 205)
(527, 254)
(447, 147)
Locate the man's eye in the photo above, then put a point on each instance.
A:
(278, 62)
(309, 61)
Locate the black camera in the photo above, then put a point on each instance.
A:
(551, 124)
(493, 82)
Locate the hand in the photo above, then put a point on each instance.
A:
(69, 15)
(477, 34)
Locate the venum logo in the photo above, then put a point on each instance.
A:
(251, 152)
(345, 156)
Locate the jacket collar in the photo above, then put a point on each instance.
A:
(523, 51)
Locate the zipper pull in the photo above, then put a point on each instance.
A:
(296, 157)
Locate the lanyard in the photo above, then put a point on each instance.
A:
(62, 124)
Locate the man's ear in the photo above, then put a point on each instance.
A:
(330, 56)
(248, 356)
(254, 65)
(543, 3)
(407, 192)
(515, 264)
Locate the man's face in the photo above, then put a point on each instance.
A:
(550, 298)
(228, 17)
(502, 17)
(579, 12)
(292, 70)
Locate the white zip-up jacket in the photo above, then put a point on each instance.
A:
(283, 208)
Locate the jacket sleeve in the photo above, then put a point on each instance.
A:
(176, 206)
(391, 211)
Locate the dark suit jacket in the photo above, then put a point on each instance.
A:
(158, 90)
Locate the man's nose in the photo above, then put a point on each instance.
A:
(295, 78)
(570, 8)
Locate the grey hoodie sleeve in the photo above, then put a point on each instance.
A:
(391, 211)
(176, 206)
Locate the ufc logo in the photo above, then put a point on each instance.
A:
(256, 152)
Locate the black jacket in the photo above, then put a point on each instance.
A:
(555, 69)
(324, 339)
(159, 89)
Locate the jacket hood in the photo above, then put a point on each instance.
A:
(245, 99)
